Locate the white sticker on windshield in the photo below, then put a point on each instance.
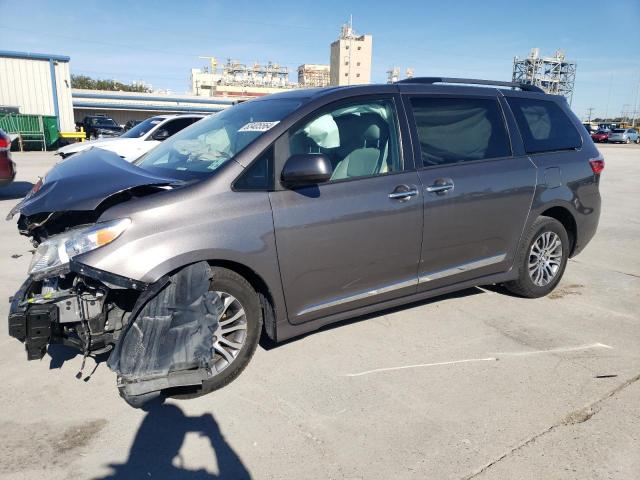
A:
(258, 126)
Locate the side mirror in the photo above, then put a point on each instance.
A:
(161, 135)
(306, 169)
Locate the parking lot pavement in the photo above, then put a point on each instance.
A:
(491, 386)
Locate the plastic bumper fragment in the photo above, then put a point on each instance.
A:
(168, 341)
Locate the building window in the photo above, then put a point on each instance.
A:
(346, 47)
(357, 74)
(359, 48)
(357, 64)
(346, 74)
(346, 62)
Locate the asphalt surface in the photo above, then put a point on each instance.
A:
(496, 387)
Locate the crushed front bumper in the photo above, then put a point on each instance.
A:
(36, 327)
(161, 335)
(81, 315)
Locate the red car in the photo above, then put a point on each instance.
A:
(7, 167)
(600, 136)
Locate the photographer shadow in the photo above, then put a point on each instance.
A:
(158, 442)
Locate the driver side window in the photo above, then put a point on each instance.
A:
(360, 139)
(174, 126)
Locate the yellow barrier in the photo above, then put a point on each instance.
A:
(77, 135)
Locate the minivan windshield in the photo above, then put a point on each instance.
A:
(142, 128)
(103, 122)
(202, 148)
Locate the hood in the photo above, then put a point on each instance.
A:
(84, 181)
(86, 145)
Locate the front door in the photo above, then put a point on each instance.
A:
(477, 194)
(354, 240)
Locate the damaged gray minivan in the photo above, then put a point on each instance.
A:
(289, 212)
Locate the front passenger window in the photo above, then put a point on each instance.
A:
(360, 139)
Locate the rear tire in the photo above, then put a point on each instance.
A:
(230, 284)
(541, 261)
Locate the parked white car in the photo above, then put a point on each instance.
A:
(134, 143)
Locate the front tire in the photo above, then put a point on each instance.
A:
(236, 339)
(542, 259)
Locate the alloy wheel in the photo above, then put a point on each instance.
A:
(545, 258)
(231, 334)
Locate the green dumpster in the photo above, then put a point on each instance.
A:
(36, 131)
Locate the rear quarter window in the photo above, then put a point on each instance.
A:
(544, 126)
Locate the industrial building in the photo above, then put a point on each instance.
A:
(39, 85)
(313, 75)
(235, 79)
(125, 106)
(555, 75)
(351, 57)
(393, 74)
(36, 84)
(37, 101)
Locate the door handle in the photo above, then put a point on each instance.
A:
(403, 194)
(440, 186)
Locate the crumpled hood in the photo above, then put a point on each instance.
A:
(83, 181)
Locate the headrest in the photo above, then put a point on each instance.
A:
(372, 134)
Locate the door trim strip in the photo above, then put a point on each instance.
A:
(465, 267)
(359, 296)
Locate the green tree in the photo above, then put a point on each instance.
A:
(88, 83)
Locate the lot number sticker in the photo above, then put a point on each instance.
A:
(258, 126)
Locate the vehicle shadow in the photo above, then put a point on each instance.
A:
(15, 190)
(60, 354)
(158, 442)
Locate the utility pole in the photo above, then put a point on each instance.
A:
(590, 109)
(635, 106)
(624, 114)
(606, 112)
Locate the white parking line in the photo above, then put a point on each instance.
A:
(554, 350)
(487, 359)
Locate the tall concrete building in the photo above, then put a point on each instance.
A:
(313, 75)
(351, 57)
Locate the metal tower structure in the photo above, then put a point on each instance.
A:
(554, 75)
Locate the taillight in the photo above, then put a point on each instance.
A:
(5, 142)
(597, 165)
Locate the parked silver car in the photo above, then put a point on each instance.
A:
(624, 135)
(286, 213)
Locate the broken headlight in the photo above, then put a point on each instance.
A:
(53, 255)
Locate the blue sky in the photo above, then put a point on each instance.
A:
(160, 41)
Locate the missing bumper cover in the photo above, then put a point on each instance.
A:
(168, 340)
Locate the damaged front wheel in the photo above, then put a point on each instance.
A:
(236, 337)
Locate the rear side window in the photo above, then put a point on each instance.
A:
(453, 130)
(544, 125)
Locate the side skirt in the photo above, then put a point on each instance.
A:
(287, 330)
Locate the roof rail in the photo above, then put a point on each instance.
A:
(473, 81)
